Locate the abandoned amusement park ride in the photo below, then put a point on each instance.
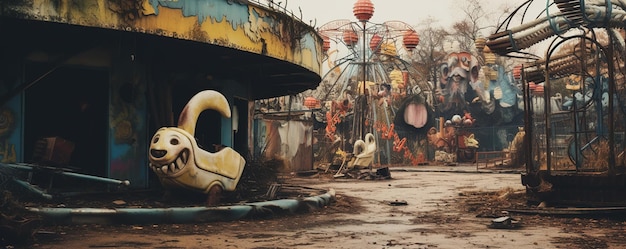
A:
(560, 114)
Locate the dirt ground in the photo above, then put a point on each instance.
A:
(413, 209)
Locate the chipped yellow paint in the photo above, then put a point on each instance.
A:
(253, 35)
(147, 8)
(165, 21)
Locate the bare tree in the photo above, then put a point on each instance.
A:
(476, 22)
(429, 53)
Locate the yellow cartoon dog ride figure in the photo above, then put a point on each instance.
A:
(179, 162)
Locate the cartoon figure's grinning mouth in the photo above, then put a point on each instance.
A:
(172, 167)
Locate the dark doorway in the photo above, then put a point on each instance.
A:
(70, 103)
(208, 133)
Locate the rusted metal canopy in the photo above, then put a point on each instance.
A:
(266, 76)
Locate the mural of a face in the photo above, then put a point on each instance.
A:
(457, 73)
(414, 114)
(177, 159)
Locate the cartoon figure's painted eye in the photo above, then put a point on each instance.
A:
(156, 139)
(444, 70)
(174, 141)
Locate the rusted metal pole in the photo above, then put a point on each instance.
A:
(364, 101)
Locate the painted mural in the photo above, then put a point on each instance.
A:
(127, 124)
(10, 120)
(245, 26)
(472, 95)
(487, 92)
(10, 131)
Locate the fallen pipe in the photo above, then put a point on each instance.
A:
(96, 178)
(177, 215)
(33, 189)
(61, 171)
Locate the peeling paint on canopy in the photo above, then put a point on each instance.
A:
(204, 9)
(245, 27)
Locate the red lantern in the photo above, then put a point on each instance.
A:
(310, 102)
(350, 38)
(363, 10)
(532, 86)
(538, 90)
(517, 72)
(326, 43)
(375, 43)
(410, 39)
(405, 77)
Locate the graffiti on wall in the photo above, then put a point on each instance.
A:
(127, 124)
(8, 136)
(478, 95)
(487, 92)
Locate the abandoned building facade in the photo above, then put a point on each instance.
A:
(103, 76)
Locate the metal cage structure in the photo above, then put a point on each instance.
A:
(575, 101)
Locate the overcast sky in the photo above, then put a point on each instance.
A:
(409, 11)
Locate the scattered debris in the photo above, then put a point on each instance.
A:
(119, 202)
(616, 212)
(397, 203)
(342, 167)
(17, 227)
(273, 189)
(505, 222)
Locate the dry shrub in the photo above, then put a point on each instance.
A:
(598, 156)
(491, 204)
